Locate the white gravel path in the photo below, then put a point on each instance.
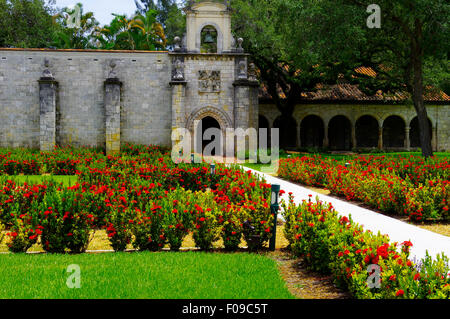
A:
(398, 231)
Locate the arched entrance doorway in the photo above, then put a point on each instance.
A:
(211, 139)
(340, 133)
(312, 131)
(367, 131)
(394, 132)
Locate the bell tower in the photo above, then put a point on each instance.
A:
(208, 27)
(212, 82)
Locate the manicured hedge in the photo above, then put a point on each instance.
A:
(140, 197)
(412, 186)
(336, 245)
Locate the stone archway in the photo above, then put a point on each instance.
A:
(312, 131)
(288, 131)
(340, 133)
(206, 124)
(367, 130)
(214, 114)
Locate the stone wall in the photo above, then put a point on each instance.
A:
(439, 116)
(145, 96)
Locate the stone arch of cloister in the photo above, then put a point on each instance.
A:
(388, 127)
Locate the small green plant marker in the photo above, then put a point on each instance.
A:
(274, 210)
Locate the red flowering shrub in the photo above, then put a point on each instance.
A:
(178, 210)
(429, 202)
(65, 222)
(141, 198)
(336, 245)
(147, 228)
(416, 187)
(206, 228)
(232, 227)
(118, 230)
(24, 231)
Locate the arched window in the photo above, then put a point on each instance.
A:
(208, 40)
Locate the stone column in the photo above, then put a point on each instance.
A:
(299, 133)
(48, 88)
(407, 139)
(434, 139)
(178, 84)
(178, 107)
(380, 137)
(241, 109)
(354, 140)
(246, 107)
(112, 115)
(326, 142)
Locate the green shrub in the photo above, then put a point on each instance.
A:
(118, 230)
(336, 245)
(65, 222)
(206, 229)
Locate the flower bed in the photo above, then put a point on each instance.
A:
(336, 245)
(140, 197)
(415, 187)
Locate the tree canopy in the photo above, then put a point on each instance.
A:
(297, 44)
(26, 23)
(408, 51)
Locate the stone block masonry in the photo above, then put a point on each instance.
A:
(79, 101)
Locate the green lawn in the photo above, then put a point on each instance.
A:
(39, 179)
(164, 275)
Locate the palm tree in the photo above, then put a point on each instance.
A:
(142, 32)
(78, 37)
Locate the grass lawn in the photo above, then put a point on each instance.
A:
(165, 275)
(39, 179)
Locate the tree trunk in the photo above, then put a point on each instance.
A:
(417, 93)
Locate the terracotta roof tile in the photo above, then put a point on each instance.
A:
(351, 92)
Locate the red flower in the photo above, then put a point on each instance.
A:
(400, 293)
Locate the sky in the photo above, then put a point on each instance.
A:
(102, 9)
